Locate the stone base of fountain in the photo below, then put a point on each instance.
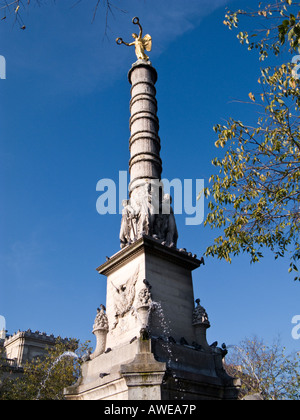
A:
(155, 370)
(110, 376)
(159, 357)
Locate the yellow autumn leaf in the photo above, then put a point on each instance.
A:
(252, 97)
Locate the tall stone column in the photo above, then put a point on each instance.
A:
(145, 163)
(148, 210)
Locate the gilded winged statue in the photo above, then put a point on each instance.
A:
(141, 43)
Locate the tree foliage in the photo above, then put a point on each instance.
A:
(278, 24)
(255, 195)
(265, 369)
(45, 378)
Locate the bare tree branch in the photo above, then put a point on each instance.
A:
(14, 8)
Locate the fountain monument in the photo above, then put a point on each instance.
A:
(151, 337)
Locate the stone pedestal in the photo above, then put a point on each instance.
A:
(144, 375)
(162, 360)
(168, 272)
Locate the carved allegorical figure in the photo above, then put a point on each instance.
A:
(146, 214)
(128, 230)
(146, 202)
(168, 229)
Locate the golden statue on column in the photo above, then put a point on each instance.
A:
(141, 43)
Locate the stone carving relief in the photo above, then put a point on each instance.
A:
(123, 297)
(144, 305)
(200, 316)
(101, 321)
(147, 214)
(100, 330)
(144, 297)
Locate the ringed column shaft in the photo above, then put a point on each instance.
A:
(145, 163)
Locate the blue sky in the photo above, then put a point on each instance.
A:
(64, 111)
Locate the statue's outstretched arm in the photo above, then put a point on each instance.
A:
(136, 21)
(120, 41)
